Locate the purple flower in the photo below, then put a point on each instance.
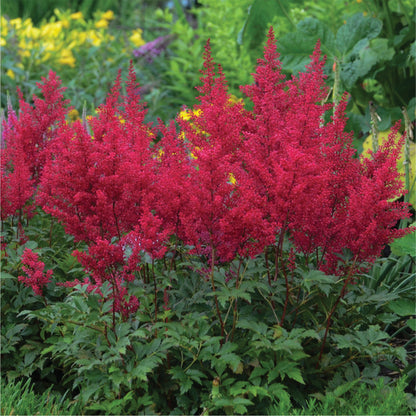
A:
(152, 49)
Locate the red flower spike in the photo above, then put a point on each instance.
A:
(97, 185)
(35, 277)
(25, 141)
(315, 189)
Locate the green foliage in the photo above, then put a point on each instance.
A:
(354, 398)
(180, 360)
(39, 11)
(21, 343)
(219, 21)
(21, 398)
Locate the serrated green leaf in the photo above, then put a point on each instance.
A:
(273, 374)
(185, 385)
(232, 359)
(286, 368)
(258, 372)
(196, 375)
(145, 366)
(316, 278)
(255, 326)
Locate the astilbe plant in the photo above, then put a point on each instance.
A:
(25, 141)
(227, 181)
(222, 216)
(96, 183)
(317, 192)
(231, 183)
(100, 183)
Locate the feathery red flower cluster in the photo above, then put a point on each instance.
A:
(230, 183)
(34, 269)
(25, 139)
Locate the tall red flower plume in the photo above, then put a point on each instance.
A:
(25, 141)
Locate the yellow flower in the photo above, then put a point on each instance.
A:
(76, 16)
(185, 115)
(108, 15)
(23, 49)
(51, 30)
(4, 26)
(160, 153)
(73, 114)
(2, 42)
(136, 38)
(234, 100)
(65, 23)
(10, 74)
(359, 1)
(231, 179)
(67, 58)
(93, 37)
(34, 33)
(197, 149)
(101, 24)
(16, 23)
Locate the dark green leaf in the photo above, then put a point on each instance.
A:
(356, 28)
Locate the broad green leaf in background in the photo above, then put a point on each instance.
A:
(411, 323)
(403, 307)
(405, 245)
(356, 28)
(260, 16)
(315, 29)
(295, 49)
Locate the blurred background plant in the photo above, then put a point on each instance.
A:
(87, 45)
(85, 53)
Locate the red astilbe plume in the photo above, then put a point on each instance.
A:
(218, 217)
(25, 139)
(16, 183)
(307, 172)
(36, 124)
(35, 277)
(96, 184)
(373, 206)
(105, 263)
(173, 167)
